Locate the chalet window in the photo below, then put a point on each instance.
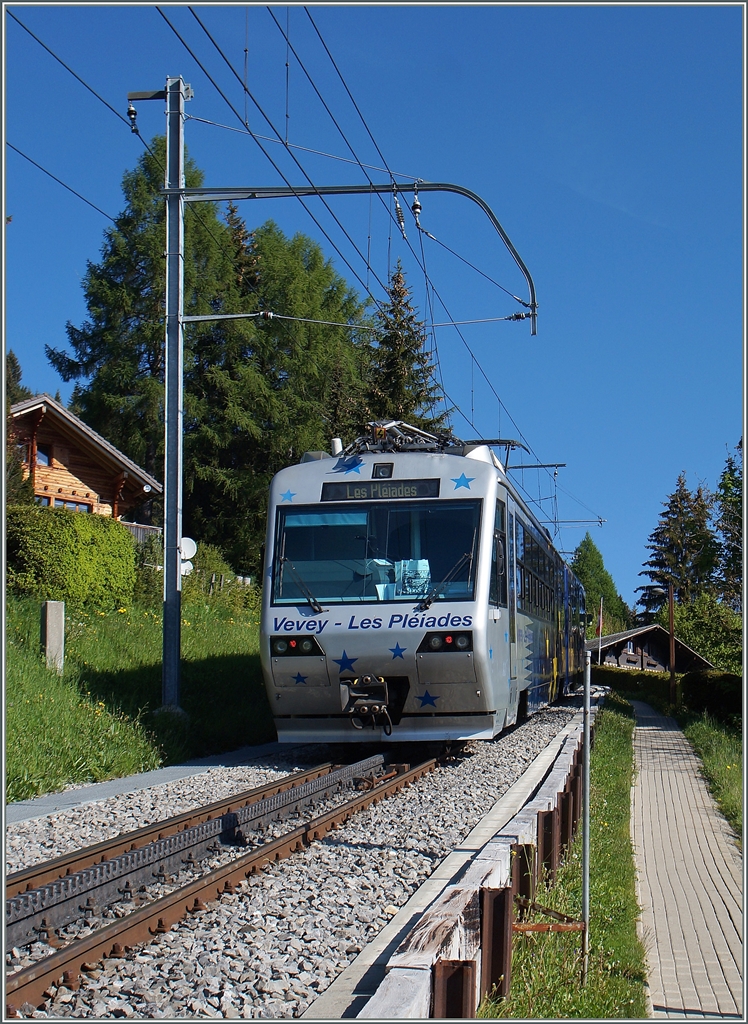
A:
(43, 455)
(72, 506)
(41, 499)
(630, 646)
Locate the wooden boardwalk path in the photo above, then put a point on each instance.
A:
(690, 874)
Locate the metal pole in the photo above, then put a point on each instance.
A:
(219, 194)
(673, 693)
(586, 822)
(175, 95)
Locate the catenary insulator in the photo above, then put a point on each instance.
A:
(400, 216)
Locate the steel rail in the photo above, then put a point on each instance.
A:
(36, 913)
(49, 871)
(143, 925)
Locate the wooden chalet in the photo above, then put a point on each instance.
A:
(72, 466)
(645, 649)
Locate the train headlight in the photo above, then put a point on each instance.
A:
(436, 643)
(294, 646)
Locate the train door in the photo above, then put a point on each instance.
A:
(567, 631)
(512, 592)
(505, 695)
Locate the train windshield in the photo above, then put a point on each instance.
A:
(377, 552)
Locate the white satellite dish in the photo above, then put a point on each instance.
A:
(186, 568)
(188, 549)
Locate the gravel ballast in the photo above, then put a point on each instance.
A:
(269, 949)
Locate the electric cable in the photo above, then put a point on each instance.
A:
(67, 68)
(295, 145)
(59, 181)
(381, 156)
(422, 262)
(267, 155)
(350, 95)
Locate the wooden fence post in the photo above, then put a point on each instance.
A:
(53, 634)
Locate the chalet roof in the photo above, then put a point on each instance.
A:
(81, 432)
(653, 628)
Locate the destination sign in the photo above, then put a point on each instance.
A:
(379, 490)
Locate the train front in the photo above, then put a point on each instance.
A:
(373, 620)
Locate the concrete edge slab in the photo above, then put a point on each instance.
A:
(352, 989)
(40, 806)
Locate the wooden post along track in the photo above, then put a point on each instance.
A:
(460, 949)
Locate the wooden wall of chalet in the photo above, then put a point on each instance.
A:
(646, 659)
(72, 476)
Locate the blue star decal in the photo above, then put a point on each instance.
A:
(397, 651)
(298, 678)
(352, 464)
(462, 481)
(289, 495)
(428, 699)
(346, 663)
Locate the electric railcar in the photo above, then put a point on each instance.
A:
(410, 594)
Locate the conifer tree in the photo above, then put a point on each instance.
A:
(729, 522)
(260, 400)
(684, 550)
(257, 393)
(118, 353)
(17, 490)
(589, 568)
(401, 385)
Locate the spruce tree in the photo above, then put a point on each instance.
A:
(729, 522)
(684, 550)
(401, 384)
(589, 568)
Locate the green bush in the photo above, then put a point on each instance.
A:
(637, 685)
(213, 582)
(717, 693)
(149, 573)
(57, 555)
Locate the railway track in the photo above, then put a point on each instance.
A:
(43, 897)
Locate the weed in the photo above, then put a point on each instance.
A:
(98, 720)
(546, 967)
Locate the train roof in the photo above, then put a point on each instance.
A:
(397, 437)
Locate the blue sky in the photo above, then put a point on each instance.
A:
(607, 139)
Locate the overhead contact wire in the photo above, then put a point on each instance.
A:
(59, 181)
(269, 158)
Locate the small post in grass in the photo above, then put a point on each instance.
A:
(586, 823)
(53, 634)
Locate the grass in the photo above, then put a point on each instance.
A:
(546, 967)
(720, 748)
(97, 721)
(718, 744)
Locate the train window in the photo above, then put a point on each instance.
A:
(380, 552)
(500, 524)
(520, 542)
(497, 593)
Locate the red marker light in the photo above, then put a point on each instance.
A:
(292, 643)
(447, 639)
